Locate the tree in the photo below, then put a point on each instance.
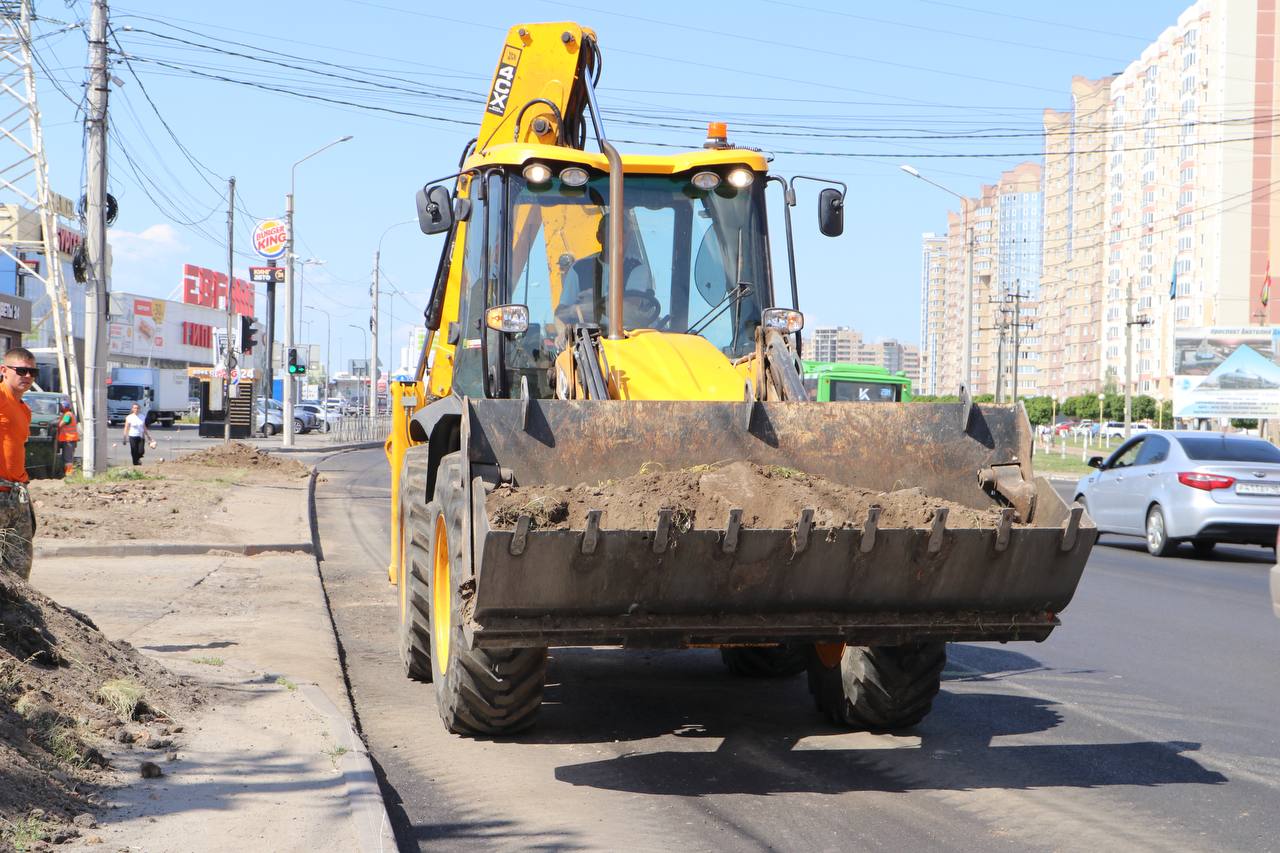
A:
(1039, 409)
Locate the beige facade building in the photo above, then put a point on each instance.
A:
(843, 344)
(1192, 204)
(1005, 224)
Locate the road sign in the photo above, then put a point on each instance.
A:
(270, 238)
(266, 275)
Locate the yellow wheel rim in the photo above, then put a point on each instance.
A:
(441, 595)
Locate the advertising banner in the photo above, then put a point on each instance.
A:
(161, 329)
(1227, 372)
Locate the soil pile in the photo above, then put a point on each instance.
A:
(701, 497)
(66, 692)
(239, 455)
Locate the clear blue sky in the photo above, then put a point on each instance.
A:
(810, 81)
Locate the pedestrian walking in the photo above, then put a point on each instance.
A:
(17, 518)
(136, 434)
(68, 437)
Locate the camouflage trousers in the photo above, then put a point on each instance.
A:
(17, 529)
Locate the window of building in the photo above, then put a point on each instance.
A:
(1184, 312)
(1184, 220)
(1186, 198)
(1188, 174)
(1188, 59)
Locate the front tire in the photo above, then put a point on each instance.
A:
(784, 661)
(414, 591)
(1158, 542)
(878, 688)
(478, 691)
(268, 430)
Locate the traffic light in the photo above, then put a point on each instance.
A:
(296, 367)
(249, 332)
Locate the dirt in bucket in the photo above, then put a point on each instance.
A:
(701, 497)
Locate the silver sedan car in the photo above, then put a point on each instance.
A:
(1180, 486)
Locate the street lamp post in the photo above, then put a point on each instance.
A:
(365, 333)
(287, 434)
(967, 349)
(328, 339)
(373, 316)
(302, 282)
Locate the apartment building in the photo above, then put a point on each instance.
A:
(1005, 224)
(1192, 205)
(933, 261)
(843, 344)
(833, 343)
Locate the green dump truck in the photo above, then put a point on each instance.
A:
(832, 381)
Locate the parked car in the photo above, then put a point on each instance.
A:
(325, 418)
(268, 422)
(42, 438)
(1085, 427)
(1064, 427)
(1115, 429)
(1181, 486)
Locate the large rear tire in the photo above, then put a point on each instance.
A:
(413, 588)
(879, 688)
(782, 661)
(478, 691)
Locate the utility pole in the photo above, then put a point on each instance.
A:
(286, 433)
(95, 309)
(231, 280)
(1129, 323)
(967, 370)
(373, 328)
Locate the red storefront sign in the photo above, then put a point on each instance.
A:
(197, 334)
(207, 287)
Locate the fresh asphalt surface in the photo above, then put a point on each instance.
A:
(1150, 720)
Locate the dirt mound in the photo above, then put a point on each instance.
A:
(701, 497)
(240, 455)
(65, 693)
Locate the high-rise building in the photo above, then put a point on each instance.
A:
(1004, 224)
(1192, 174)
(833, 343)
(933, 317)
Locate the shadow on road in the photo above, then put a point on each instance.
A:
(1220, 554)
(771, 740)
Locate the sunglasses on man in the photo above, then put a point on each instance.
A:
(21, 371)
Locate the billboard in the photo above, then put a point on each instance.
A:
(145, 327)
(1227, 372)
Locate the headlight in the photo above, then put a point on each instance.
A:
(574, 176)
(706, 180)
(537, 173)
(511, 319)
(784, 320)
(741, 178)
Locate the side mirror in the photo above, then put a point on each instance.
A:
(1095, 462)
(435, 210)
(831, 212)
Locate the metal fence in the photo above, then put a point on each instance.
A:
(352, 429)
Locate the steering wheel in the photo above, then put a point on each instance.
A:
(640, 308)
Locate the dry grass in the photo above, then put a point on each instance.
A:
(122, 696)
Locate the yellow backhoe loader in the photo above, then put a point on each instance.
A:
(594, 312)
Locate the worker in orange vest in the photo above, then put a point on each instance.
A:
(68, 436)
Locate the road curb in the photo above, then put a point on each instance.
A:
(368, 806)
(368, 811)
(161, 549)
(327, 449)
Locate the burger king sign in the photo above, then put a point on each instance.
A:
(271, 238)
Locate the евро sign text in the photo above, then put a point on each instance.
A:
(207, 287)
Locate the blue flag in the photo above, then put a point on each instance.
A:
(1173, 282)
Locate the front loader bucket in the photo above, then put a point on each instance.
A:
(864, 584)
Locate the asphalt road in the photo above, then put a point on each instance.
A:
(1148, 721)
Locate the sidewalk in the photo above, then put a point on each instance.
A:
(270, 761)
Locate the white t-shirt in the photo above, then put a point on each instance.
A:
(134, 426)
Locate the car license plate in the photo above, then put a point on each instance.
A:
(1258, 488)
